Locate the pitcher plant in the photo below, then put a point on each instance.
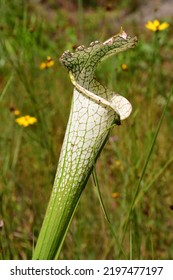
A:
(94, 111)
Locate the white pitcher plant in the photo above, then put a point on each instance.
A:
(94, 111)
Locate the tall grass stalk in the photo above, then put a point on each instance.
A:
(96, 184)
(6, 87)
(137, 189)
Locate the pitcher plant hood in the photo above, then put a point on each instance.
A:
(82, 65)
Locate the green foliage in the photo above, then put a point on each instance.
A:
(29, 155)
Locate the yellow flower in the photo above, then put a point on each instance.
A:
(115, 195)
(47, 64)
(42, 65)
(118, 163)
(124, 67)
(50, 63)
(16, 112)
(155, 25)
(26, 120)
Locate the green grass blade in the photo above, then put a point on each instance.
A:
(6, 87)
(146, 164)
(96, 184)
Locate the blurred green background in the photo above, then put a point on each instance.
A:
(30, 31)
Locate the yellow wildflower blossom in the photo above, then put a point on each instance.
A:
(50, 63)
(115, 195)
(155, 25)
(47, 64)
(16, 112)
(26, 120)
(118, 163)
(124, 67)
(42, 65)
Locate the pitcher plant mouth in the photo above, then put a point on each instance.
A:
(97, 51)
(94, 110)
(89, 58)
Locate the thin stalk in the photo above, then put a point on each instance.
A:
(155, 178)
(146, 164)
(6, 87)
(80, 17)
(17, 148)
(131, 242)
(96, 184)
